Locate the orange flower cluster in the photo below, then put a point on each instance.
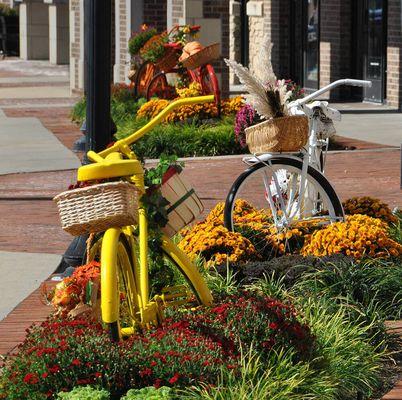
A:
(216, 244)
(74, 290)
(255, 232)
(232, 105)
(371, 207)
(358, 236)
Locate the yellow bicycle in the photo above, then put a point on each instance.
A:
(126, 306)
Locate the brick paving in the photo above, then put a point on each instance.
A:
(31, 223)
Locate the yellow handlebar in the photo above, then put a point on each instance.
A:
(99, 157)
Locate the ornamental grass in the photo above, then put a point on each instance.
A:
(369, 206)
(359, 236)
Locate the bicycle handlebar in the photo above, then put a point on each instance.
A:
(348, 82)
(99, 157)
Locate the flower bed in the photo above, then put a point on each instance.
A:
(257, 238)
(293, 327)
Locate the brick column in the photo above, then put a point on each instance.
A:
(394, 54)
(122, 35)
(77, 46)
(58, 32)
(234, 38)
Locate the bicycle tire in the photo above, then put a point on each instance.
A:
(159, 87)
(145, 73)
(118, 291)
(313, 176)
(209, 82)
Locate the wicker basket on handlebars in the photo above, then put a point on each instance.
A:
(98, 207)
(284, 134)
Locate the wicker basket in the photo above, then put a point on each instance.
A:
(98, 207)
(169, 60)
(202, 57)
(184, 206)
(277, 135)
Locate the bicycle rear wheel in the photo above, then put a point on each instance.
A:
(285, 199)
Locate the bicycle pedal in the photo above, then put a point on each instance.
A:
(174, 296)
(151, 314)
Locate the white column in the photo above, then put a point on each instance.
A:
(123, 12)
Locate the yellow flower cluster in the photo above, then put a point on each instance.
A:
(231, 106)
(152, 108)
(369, 206)
(193, 90)
(216, 244)
(358, 236)
(207, 110)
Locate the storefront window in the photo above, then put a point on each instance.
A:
(311, 44)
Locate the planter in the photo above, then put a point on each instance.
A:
(184, 205)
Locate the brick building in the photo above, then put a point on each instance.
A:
(128, 16)
(315, 42)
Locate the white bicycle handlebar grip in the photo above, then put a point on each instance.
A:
(358, 82)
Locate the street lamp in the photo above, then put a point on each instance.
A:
(98, 32)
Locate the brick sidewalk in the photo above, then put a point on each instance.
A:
(30, 218)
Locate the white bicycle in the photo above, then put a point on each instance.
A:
(292, 187)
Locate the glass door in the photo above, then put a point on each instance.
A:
(374, 60)
(311, 44)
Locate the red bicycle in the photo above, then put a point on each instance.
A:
(151, 79)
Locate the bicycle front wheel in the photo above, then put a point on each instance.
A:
(119, 300)
(285, 197)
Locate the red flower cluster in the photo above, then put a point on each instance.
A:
(189, 348)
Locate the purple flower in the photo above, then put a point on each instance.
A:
(245, 117)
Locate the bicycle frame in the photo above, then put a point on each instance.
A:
(112, 160)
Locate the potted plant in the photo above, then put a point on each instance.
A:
(278, 130)
(138, 39)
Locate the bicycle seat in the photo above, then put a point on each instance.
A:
(109, 169)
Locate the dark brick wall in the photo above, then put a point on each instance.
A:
(220, 9)
(394, 54)
(155, 13)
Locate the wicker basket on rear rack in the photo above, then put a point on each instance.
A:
(284, 134)
(98, 207)
(184, 204)
(205, 56)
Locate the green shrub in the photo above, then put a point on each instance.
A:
(139, 39)
(191, 139)
(84, 393)
(149, 393)
(7, 11)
